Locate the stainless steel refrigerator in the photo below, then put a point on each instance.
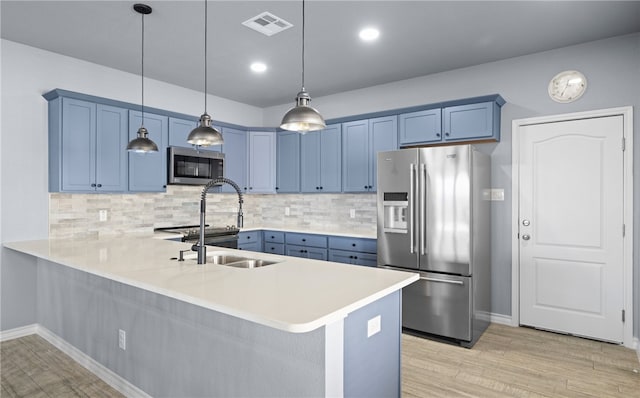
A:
(434, 218)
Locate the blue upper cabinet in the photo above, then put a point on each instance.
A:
(262, 162)
(87, 146)
(179, 130)
(473, 119)
(361, 141)
(420, 127)
(355, 159)
(321, 160)
(288, 162)
(472, 122)
(111, 148)
(148, 171)
(235, 158)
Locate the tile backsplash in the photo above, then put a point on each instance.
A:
(78, 215)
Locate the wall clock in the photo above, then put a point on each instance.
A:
(567, 86)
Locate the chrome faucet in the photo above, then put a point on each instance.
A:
(200, 246)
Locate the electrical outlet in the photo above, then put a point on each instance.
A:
(103, 215)
(122, 339)
(373, 326)
(352, 213)
(287, 211)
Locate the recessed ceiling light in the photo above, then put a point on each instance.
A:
(258, 67)
(369, 34)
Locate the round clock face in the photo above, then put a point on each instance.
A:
(567, 86)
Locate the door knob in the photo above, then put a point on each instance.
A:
(526, 237)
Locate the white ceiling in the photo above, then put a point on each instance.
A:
(417, 38)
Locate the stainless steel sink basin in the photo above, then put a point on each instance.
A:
(222, 258)
(250, 263)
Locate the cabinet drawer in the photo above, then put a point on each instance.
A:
(253, 247)
(353, 244)
(306, 240)
(248, 237)
(273, 248)
(307, 252)
(274, 236)
(351, 257)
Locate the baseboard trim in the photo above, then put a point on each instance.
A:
(108, 376)
(501, 319)
(636, 344)
(16, 333)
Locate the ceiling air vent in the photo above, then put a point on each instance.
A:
(267, 24)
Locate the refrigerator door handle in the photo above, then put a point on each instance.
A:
(412, 190)
(423, 208)
(442, 280)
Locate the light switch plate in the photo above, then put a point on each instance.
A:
(497, 194)
(373, 326)
(103, 215)
(352, 213)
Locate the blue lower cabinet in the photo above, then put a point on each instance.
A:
(351, 257)
(314, 253)
(250, 240)
(274, 248)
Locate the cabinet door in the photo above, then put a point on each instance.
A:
(148, 171)
(288, 162)
(235, 158)
(420, 127)
(111, 148)
(355, 156)
(310, 162)
(383, 136)
(179, 130)
(331, 159)
(473, 121)
(78, 145)
(262, 162)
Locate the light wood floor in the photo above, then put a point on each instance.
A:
(31, 367)
(519, 362)
(506, 362)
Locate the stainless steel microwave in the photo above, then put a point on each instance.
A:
(190, 166)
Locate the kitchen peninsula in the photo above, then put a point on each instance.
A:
(297, 327)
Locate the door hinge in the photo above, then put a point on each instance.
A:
(622, 315)
(624, 144)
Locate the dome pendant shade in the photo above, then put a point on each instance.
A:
(142, 143)
(205, 134)
(302, 117)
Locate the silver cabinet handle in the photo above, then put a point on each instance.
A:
(412, 190)
(423, 207)
(526, 237)
(441, 280)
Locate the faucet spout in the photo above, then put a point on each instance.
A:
(200, 246)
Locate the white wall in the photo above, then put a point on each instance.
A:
(612, 68)
(27, 73)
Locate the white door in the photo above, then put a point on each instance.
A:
(571, 227)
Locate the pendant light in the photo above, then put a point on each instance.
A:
(142, 143)
(302, 117)
(205, 134)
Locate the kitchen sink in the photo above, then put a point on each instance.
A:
(231, 260)
(250, 263)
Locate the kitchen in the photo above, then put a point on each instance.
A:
(30, 212)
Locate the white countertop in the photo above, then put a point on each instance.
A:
(296, 295)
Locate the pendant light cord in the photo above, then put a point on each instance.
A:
(142, 72)
(205, 55)
(302, 45)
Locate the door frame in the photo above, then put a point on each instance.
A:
(627, 255)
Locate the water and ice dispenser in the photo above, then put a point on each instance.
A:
(396, 206)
